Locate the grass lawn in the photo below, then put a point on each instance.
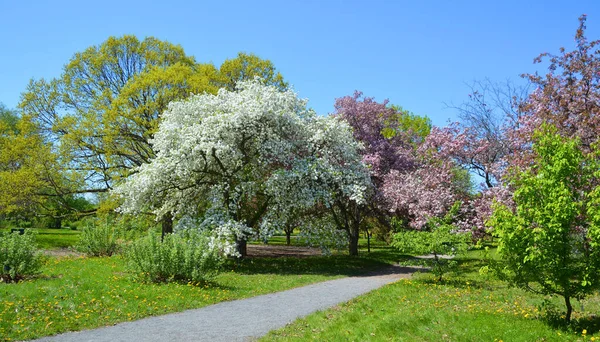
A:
(54, 238)
(465, 307)
(80, 293)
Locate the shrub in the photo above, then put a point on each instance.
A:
(132, 227)
(441, 240)
(183, 256)
(19, 256)
(98, 239)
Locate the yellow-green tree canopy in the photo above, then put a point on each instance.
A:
(247, 67)
(24, 159)
(104, 109)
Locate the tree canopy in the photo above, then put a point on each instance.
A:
(102, 112)
(229, 158)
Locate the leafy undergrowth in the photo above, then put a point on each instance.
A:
(79, 293)
(465, 307)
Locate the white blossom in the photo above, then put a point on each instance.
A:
(223, 157)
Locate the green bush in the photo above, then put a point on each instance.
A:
(98, 239)
(131, 227)
(19, 256)
(441, 239)
(184, 256)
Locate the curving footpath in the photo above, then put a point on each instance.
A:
(241, 320)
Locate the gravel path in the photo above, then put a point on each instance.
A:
(241, 320)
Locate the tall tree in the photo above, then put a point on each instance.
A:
(8, 118)
(231, 158)
(24, 162)
(567, 96)
(550, 243)
(246, 67)
(85, 109)
(105, 108)
(411, 181)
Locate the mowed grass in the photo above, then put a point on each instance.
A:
(54, 238)
(466, 307)
(80, 293)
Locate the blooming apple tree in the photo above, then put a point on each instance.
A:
(412, 180)
(567, 97)
(228, 160)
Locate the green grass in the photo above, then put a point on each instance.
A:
(54, 238)
(466, 307)
(81, 293)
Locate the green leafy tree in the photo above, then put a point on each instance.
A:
(104, 109)
(23, 161)
(28, 169)
(414, 126)
(550, 243)
(440, 239)
(8, 118)
(246, 67)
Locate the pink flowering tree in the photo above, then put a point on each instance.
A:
(483, 155)
(413, 181)
(567, 97)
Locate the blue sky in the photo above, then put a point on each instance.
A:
(418, 54)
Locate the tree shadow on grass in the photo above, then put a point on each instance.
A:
(556, 320)
(318, 265)
(459, 283)
(323, 265)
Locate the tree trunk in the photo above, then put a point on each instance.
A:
(242, 247)
(436, 261)
(569, 308)
(368, 242)
(288, 238)
(353, 244)
(488, 181)
(167, 225)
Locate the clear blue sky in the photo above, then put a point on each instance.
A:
(418, 54)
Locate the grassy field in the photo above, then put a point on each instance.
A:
(466, 307)
(54, 238)
(80, 293)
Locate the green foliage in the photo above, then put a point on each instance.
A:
(105, 106)
(19, 256)
(133, 227)
(183, 256)
(441, 240)
(463, 182)
(8, 119)
(247, 67)
(98, 239)
(24, 161)
(417, 126)
(100, 114)
(550, 243)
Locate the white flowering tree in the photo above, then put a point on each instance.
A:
(228, 159)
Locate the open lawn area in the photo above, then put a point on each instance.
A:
(75, 293)
(467, 306)
(80, 293)
(53, 238)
